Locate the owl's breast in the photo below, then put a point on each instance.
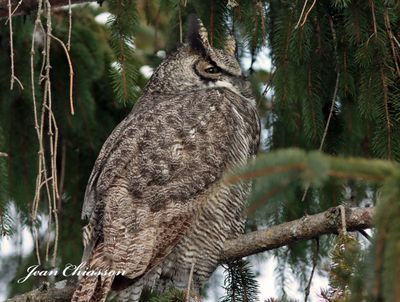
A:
(218, 211)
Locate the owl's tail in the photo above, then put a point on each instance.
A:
(95, 288)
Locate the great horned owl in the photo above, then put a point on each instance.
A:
(157, 206)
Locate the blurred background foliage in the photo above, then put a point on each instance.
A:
(335, 61)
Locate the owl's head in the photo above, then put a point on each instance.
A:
(198, 65)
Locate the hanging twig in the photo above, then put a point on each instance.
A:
(391, 39)
(42, 179)
(11, 45)
(39, 133)
(212, 22)
(55, 195)
(268, 85)
(307, 13)
(335, 92)
(187, 299)
(53, 130)
(71, 73)
(15, 9)
(69, 25)
(386, 101)
(372, 4)
(13, 77)
(301, 14)
(180, 23)
(315, 261)
(62, 174)
(260, 11)
(343, 225)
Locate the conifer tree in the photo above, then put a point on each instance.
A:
(331, 101)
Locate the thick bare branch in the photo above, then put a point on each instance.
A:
(27, 6)
(59, 292)
(308, 227)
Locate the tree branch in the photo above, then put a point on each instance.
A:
(59, 292)
(27, 6)
(308, 227)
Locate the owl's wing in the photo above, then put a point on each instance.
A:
(153, 168)
(90, 198)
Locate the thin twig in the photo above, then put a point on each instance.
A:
(261, 12)
(212, 22)
(335, 92)
(39, 133)
(330, 111)
(365, 234)
(69, 25)
(387, 112)
(391, 39)
(315, 261)
(268, 84)
(71, 73)
(62, 174)
(42, 179)
(301, 14)
(11, 45)
(307, 13)
(53, 136)
(372, 4)
(190, 282)
(13, 77)
(342, 209)
(397, 41)
(180, 24)
(15, 9)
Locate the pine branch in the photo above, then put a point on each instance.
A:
(308, 227)
(28, 6)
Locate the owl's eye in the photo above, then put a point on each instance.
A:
(211, 69)
(207, 71)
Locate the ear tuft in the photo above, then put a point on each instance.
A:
(197, 34)
(230, 45)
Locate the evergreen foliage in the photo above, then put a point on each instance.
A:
(122, 24)
(333, 87)
(240, 283)
(171, 295)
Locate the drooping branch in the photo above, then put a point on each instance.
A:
(308, 227)
(27, 6)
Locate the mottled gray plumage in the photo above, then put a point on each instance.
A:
(155, 200)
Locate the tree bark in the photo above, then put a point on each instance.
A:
(308, 227)
(28, 6)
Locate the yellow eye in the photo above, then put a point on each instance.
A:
(211, 69)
